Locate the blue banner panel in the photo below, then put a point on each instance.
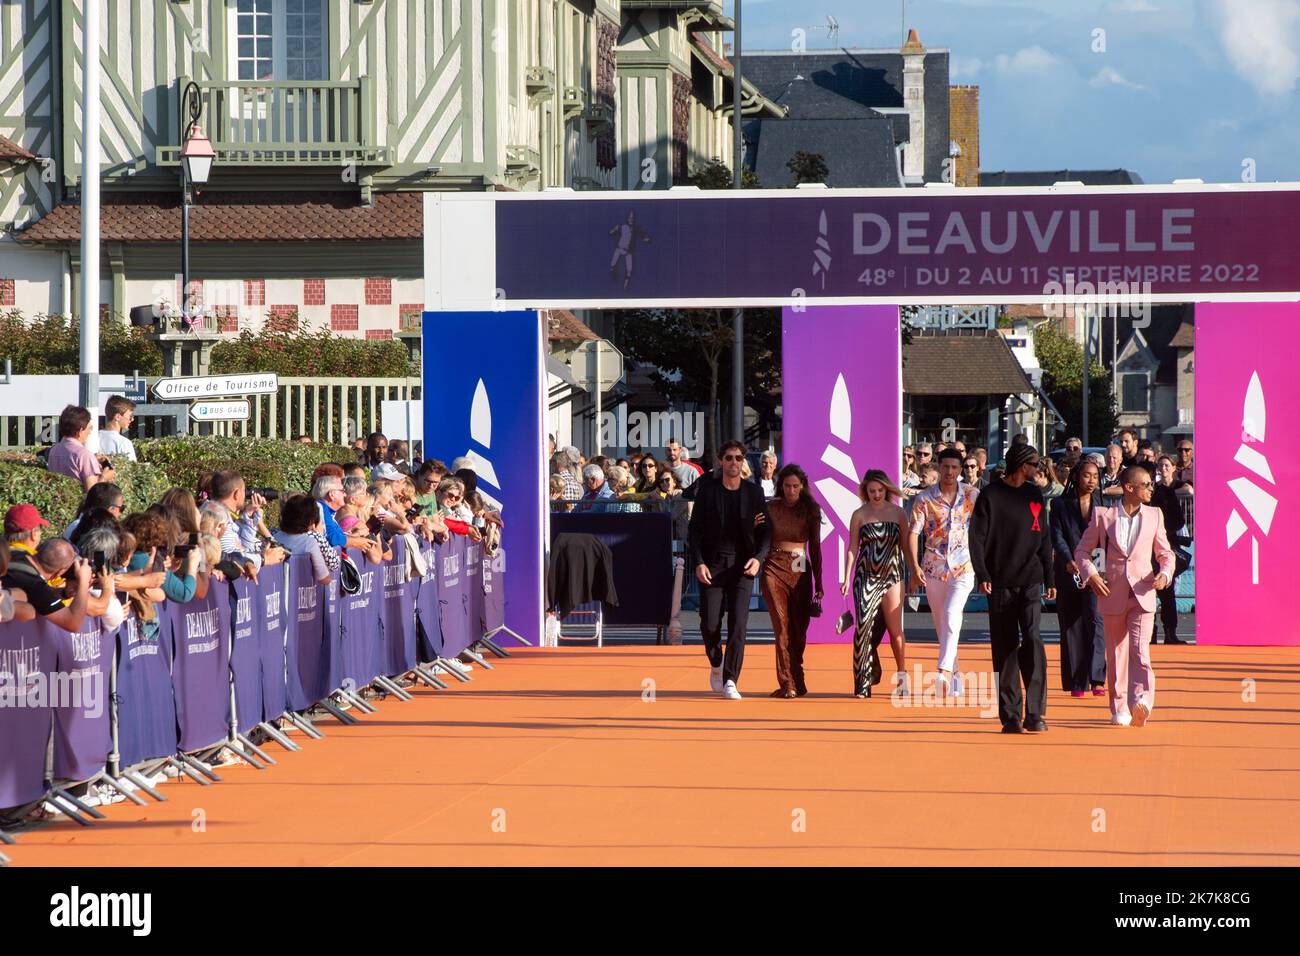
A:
(245, 649)
(306, 651)
(272, 626)
(429, 627)
(28, 654)
(82, 734)
(361, 624)
(146, 703)
(399, 613)
(200, 640)
(453, 596)
(491, 409)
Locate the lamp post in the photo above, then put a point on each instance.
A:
(197, 156)
(738, 315)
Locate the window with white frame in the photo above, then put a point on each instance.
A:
(279, 40)
(1135, 396)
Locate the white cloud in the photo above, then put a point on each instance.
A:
(1134, 6)
(964, 67)
(1262, 42)
(1030, 59)
(1109, 76)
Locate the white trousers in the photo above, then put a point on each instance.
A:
(947, 599)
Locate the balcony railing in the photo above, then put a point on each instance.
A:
(286, 122)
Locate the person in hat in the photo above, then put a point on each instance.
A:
(27, 576)
(1011, 549)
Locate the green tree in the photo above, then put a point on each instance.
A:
(1061, 359)
(808, 167)
(717, 175)
(51, 345)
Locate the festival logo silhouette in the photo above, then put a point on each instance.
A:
(840, 496)
(1256, 501)
(480, 432)
(822, 254)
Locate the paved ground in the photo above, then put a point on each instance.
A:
(621, 756)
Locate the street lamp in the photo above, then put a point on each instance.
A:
(197, 156)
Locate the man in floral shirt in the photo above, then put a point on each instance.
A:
(942, 513)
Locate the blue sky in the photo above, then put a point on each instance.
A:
(1179, 88)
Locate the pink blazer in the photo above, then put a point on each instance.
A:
(1121, 566)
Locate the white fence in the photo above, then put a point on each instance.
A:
(334, 410)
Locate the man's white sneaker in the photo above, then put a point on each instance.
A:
(715, 679)
(1122, 719)
(729, 690)
(1141, 714)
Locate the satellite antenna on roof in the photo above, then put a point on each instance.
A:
(832, 29)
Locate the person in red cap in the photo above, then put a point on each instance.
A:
(27, 578)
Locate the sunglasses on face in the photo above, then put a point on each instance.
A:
(733, 457)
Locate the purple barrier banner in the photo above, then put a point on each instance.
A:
(271, 631)
(200, 636)
(492, 412)
(146, 702)
(779, 245)
(399, 614)
(28, 659)
(361, 625)
(494, 593)
(1247, 402)
(245, 650)
(306, 650)
(453, 596)
(843, 415)
(427, 608)
(82, 732)
(474, 605)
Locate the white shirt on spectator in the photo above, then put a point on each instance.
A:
(115, 443)
(1127, 528)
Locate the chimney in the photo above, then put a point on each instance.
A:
(914, 102)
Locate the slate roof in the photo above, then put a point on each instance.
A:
(1089, 177)
(967, 362)
(226, 217)
(846, 84)
(858, 152)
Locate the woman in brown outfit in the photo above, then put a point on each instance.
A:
(788, 586)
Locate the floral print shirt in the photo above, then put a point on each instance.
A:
(944, 530)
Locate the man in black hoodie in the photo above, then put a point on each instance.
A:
(1011, 550)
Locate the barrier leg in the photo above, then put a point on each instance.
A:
(392, 688)
(477, 658)
(273, 732)
(486, 641)
(262, 755)
(6, 838)
(70, 806)
(306, 726)
(453, 668)
(343, 718)
(116, 784)
(4, 860)
(517, 636)
(243, 755)
(189, 766)
(144, 785)
(362, 705)
(428, 677)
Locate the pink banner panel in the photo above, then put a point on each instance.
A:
(1247, 405)
(842, 397)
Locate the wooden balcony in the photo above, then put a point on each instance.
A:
(285, 123)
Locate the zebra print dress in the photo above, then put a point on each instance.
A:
(878, 568)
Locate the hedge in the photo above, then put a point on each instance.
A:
(318, 353)
(51, 345)
(166, 463)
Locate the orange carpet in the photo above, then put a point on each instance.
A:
(620, 756)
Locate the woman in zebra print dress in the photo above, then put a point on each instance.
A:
(879, 527)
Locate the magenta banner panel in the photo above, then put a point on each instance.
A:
(1246, 403)
(843, 414)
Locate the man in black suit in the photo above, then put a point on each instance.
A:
(729, 537)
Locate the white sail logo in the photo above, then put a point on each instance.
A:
(822, 252)
(1257, 502)
(841, 497)
(480, 432)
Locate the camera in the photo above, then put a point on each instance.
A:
(160, 559)
(270, 494)
(98, 562)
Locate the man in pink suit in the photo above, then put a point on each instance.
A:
(1127, 535)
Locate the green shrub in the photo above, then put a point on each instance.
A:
(51, 345)
(142, 483)
(263, 462)
(318, 353)
(57, 497)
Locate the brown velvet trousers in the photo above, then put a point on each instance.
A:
(788, 593)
